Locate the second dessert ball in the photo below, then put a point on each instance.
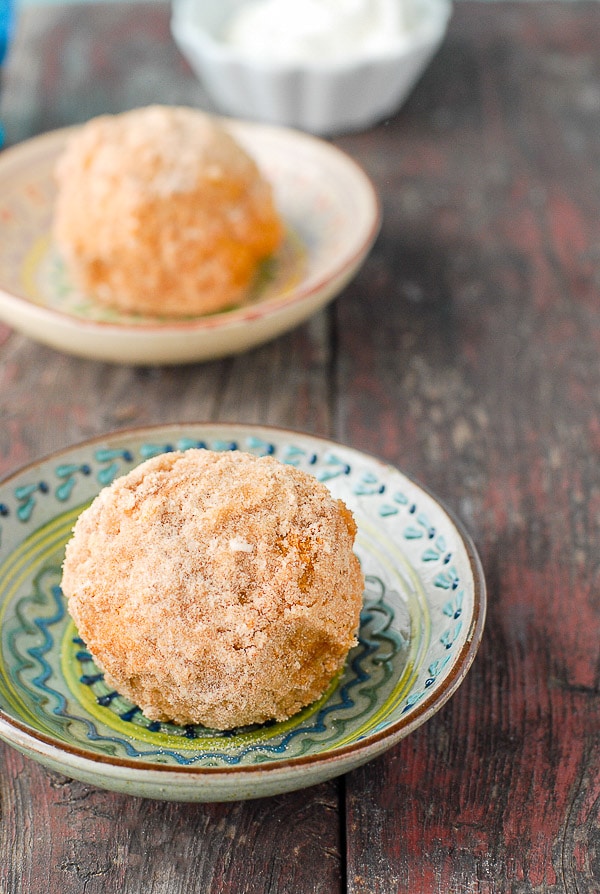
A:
(216, 588)
(161, 211)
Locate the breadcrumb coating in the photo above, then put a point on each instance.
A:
(216, 587)
(160, 211)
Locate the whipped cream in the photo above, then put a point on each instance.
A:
(300, 30)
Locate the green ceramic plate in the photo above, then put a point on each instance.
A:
(423, 616)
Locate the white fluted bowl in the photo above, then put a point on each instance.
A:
(320, 96)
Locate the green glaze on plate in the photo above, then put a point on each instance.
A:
(423, 614)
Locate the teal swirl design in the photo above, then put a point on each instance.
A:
(77, 703)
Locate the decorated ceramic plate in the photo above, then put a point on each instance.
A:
(423, 616)
(329, 207)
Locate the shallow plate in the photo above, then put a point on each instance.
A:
(328, 204)
(424, 608)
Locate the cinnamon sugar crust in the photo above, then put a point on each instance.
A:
(160, 211)
(216, 587)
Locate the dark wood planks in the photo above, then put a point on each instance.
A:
(466, 352)
(472, 362)
(69, 837)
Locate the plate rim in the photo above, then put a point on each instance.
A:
(384, 738)
(224, 319)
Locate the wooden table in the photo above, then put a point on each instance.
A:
(467, 352)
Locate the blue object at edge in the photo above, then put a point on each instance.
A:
(6, 26)
(6, 29)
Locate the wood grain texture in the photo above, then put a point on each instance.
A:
(466, 352)
(483, 382)
(70, 837)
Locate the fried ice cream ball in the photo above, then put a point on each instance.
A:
(216, 588)
(160, 211)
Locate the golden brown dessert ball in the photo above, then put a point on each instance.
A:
(160, 211)
(216, 587)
